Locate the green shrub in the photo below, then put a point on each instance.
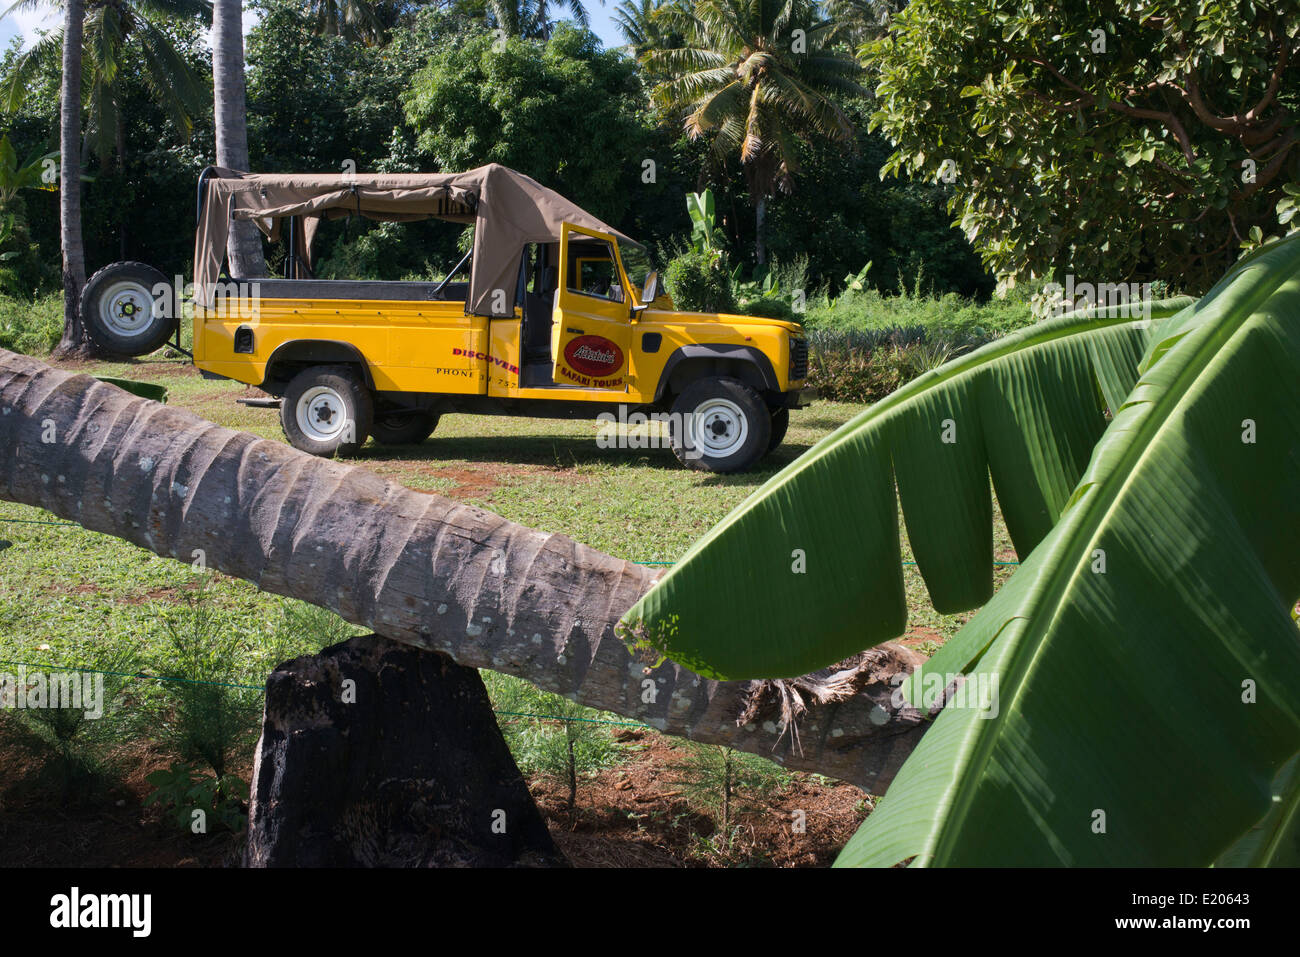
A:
(698, 282)
(32, 327)
(769, 307)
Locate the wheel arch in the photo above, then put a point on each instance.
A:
(296, 354)
(700, 360)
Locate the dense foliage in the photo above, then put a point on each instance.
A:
(1139, 140)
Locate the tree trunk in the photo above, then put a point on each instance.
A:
(74, 342)
(229, 111)
(416, 568)
(760, 224)
(119, 142)
(376, 754)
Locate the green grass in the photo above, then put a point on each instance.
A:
(32, 328)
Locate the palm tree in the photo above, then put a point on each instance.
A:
(645, 24)
(1128, 696)
(757, 76)
(230, 115)
(356, 20)
(110, 32)
(74, 342)
(416, 568)
(531, 19)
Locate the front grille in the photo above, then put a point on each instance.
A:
(798, 359)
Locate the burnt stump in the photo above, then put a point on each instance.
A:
(378, 754)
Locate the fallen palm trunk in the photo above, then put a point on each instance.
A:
(416, 568)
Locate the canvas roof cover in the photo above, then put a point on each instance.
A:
(507, 208)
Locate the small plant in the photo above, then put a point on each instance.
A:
(722, 782)
(206, 715)
(184, 788)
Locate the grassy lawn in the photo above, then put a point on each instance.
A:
(60, 585)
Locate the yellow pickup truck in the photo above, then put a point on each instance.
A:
(559, 316)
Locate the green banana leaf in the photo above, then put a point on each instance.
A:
(1139, 671)
(145, 390)
(808, 570)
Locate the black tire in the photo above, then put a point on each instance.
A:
(402, 428)
(318, 403)
(780, 423)
(727, 424)
(120, 312)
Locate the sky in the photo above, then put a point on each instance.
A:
(25, 23)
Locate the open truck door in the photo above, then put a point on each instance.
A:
(593, 310)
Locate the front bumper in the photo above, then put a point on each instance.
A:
(800, 398)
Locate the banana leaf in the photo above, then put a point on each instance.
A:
(1139, 671)
(808, 570)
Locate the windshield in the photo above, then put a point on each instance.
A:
(637, 263)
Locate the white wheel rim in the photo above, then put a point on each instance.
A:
(321, 414)
(719, 428)
(126, 308)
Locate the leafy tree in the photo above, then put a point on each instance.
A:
(563, 111)
(755, 77)
(1131, 141)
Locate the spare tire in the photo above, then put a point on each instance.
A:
(121, 313)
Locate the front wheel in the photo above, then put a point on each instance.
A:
(720, 425)
(327, 411)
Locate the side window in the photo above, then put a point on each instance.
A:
(593, 271)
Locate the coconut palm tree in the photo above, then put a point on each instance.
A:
(416, 568)
(110, 33)
(645, 26)
(230, 116)
(362, 21)
(531, 19)
(757, 76)
(74, 342)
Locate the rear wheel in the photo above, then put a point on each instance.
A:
(720, 425)
(402, 428)
(327, 411)
(121, 313)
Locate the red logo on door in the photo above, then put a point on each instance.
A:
(593, 355)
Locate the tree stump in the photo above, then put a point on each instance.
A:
(378, 754)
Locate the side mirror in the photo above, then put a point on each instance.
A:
(650, 292)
